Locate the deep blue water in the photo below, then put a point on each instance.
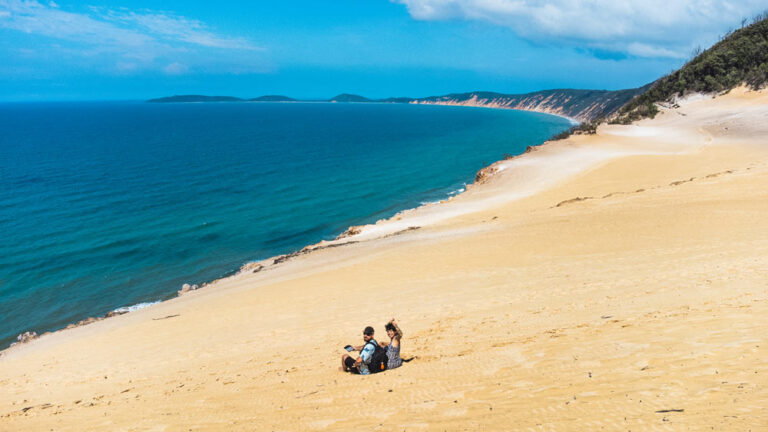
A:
(110, 204)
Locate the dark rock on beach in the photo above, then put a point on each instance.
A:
(25, 337)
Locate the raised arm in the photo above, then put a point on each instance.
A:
(397, 329)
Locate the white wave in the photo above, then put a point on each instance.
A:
(134, 308)
(450, 194)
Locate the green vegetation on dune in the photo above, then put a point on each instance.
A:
(741, 57)
(586, 128)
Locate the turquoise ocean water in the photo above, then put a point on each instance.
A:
(112, 204)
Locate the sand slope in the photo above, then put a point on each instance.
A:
(610, 282)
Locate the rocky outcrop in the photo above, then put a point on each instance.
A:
(187, 288)
(25, 337)
(252, 267)
(484, 174)
(353, 230)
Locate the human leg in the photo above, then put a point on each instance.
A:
(348, 364)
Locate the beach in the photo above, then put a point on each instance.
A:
(615, 281)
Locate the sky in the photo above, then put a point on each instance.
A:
(138, 49)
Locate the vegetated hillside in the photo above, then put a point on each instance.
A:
(346, 97)
(741, 57)
(582, 105)
(195, 98)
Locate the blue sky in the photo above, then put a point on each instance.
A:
(131, 49)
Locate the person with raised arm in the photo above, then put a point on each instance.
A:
(393, 346)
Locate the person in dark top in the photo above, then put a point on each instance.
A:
(360, 366)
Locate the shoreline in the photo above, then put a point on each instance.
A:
(627, 293)
(352, 234)
(30, 334)
(574, 122)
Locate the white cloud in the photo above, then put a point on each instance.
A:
(141, 39)
(177, 28)
(644, 50)
(647, 28)
(124, 66)
(35, 18)
(175, 69)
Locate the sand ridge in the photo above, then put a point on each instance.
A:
(629, 294)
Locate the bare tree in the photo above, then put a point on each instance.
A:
(696, 52)
(759, 17)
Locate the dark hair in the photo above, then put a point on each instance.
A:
(390, 326)
(368, 331)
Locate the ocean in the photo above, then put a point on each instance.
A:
(107, 205)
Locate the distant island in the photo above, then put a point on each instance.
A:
(346, 97)
(582, 105)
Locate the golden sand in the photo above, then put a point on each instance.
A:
(611, 282)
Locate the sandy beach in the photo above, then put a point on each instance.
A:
(616, 281)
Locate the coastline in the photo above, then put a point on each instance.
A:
(382, 228)
(386, 227)
(626, 291)
(573, 121)
(30, 334)
(473, 104)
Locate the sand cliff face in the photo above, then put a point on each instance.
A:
(582, 105)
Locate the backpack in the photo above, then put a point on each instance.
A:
(379, 358)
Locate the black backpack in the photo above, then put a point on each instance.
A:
(379, 358)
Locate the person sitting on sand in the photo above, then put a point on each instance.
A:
(360, 366)
(393, 347)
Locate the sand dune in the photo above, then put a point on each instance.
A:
(608, 282)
